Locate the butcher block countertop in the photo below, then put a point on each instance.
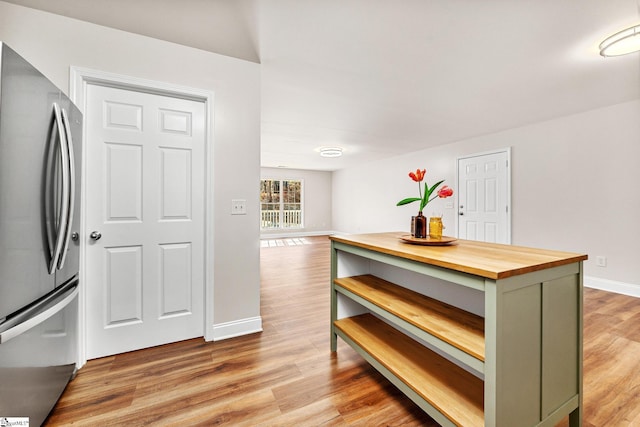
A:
(489, 260)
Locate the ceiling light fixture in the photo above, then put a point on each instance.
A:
(330, 151)
(622, 42)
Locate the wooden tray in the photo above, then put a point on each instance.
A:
(428, 241)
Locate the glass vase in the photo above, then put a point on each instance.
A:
(420, 226)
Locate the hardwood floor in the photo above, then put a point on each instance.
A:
(287, 376)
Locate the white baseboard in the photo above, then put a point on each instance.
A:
(284, 235)
(612, 286)
(236, 328)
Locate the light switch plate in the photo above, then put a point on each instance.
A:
(238, 207)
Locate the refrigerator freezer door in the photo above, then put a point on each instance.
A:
(37, 357)
(20, 322)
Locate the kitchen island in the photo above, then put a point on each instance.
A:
(474, 333)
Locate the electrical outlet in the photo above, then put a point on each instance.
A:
(601, 261)
(238, 207)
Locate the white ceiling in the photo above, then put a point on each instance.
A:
(382, 77)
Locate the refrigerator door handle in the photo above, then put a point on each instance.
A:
(64, 204)
(23, 321)
(70, 201)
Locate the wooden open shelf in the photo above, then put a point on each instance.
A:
(454, 392)
(453, 325)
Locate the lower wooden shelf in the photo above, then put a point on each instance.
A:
(449, 389)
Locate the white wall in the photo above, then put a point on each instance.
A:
(317, 200)
(53, 43)
(574, 187)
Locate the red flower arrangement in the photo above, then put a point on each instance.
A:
(418, 176)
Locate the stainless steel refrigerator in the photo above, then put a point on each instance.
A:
(40, 147)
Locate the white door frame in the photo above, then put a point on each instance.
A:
(80, 78)
(506, 150)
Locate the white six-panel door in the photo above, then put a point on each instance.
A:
(145, 168)
(483, 198)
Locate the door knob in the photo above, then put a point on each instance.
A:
(95, 235)
(461, 213)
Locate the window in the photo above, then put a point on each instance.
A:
(280, 204)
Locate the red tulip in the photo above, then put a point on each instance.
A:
(418, 175)
(445, 192)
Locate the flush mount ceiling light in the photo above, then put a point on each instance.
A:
(622, 42)
(330, 151)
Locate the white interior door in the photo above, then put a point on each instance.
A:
(145, 168)
(484, 197)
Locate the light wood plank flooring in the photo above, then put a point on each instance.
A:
(287, 376)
